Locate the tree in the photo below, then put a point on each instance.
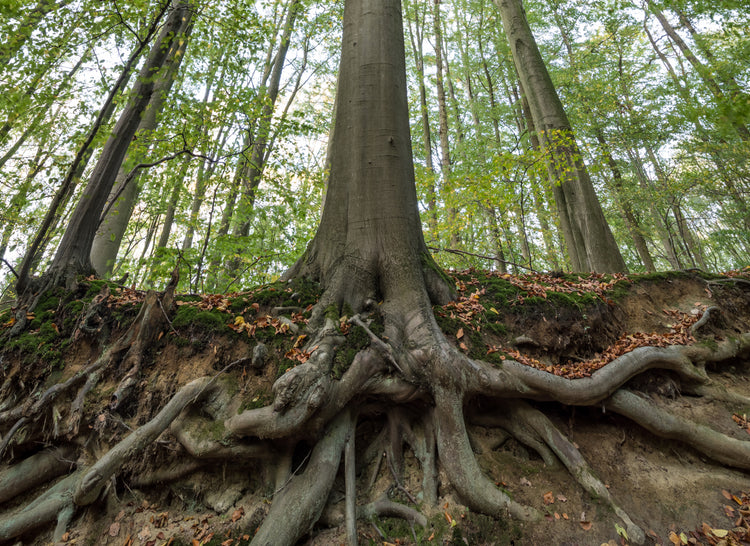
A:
(73, 254)
(371, 262)
(122, 199)
(589, 240)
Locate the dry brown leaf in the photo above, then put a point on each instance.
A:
(114, 529)
(549, 498)
(586, 525)
(237, 514)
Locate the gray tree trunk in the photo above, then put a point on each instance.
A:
(369, 243)
(124, 194)
(73, 254)
(588, 238)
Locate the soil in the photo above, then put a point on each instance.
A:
(665, 486)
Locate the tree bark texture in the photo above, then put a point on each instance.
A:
(73, 254)
(588, 238)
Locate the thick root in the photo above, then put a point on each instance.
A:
(458, 460)
(716, 445)
(42, 511)
(576, 464)
(34, 471)
(301, 502)
(94, 479)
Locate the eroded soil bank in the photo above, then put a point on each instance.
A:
(566, 325)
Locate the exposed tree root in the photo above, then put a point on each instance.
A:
(45, 509)
(411, 382)
(299, 505)
(458, 460)
(35, 470)
(575, 463)
(716, 445)
(84, 486)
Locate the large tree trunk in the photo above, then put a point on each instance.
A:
(73, 254)
(589, 240)
(369, 244)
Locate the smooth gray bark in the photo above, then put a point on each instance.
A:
(122, 198)
(73, 254)
(589, 240)
(369, 242)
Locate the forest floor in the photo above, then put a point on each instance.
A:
(565, 324)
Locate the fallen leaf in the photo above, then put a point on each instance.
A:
(565, 516)
(65, 537)
(557, 516)
(562, 498)
(719, 533)
(726, 494)
(586, 525)
(460, 333)
(144, 534)
(674, 539)
(549, 498)
(525, 482)
(114, 529)
(237, 514)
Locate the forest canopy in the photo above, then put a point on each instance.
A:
(231, 171)
(358, 270)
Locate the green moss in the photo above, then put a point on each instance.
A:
(259, 399)
(709, 343)
(188, 316)
(284, 365)
(497, 328)
(429, 263)
(74, 307)
(332, 312)
(95, 287)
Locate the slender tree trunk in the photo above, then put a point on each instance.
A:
(122, 198)
(73, 254)
(172, 204)
(258, 154)
(497, 239)
(705, 74)
(590, 243)
(74, 172)
(9, 216)
(417, 37)
(657, 218)
(445, 153)
(33, 125)
(631, 221)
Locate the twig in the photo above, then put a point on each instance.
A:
(11, 268)
(398, 483)
(379, 344)
(481, 256)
